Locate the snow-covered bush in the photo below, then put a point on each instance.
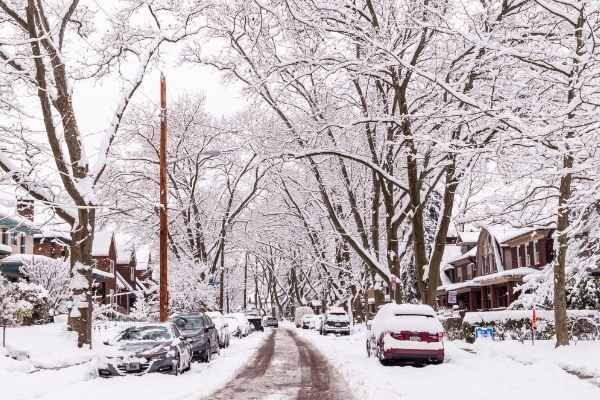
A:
(22, 303)
(54, 277)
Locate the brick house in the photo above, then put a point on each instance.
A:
(17, 229)
(53, 245)
(485, 276)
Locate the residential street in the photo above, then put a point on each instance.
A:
(286, 367)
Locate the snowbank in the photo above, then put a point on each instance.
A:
(57, 370)
(505, 315)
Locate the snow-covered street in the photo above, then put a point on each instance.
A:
(291, 363)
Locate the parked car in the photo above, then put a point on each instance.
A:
(243, 326)
(233, 325)
(308, 321)
(406, 332)
(300, 313)
(270, 322)
(255, 322)
(335, 321)
(157, 347)
(222, 327)
(200, 332)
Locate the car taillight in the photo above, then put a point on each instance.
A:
(404, 335)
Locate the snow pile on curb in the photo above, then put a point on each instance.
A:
(505, 315)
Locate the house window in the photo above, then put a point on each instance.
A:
(460, 275)
(536, 253)
(4, 236)
(15, 239)
(508, 263)
(520, 256)
(23, 242)
(111, 266)
(132, 273)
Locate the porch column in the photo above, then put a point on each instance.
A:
(493, 291)
(472, 300)
(508, 293)
(483, 303)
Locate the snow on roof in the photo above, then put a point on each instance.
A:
(103, 274)
(468, 236)
(14, 221)
(101, 244)
(124, 255)
(4, 248)
(470, 253)
(486, 279)
(26, 258)
(451, 251)
(503, 233)
(122, 282)
(516, 272)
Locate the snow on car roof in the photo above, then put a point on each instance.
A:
(406, 317)
(406, 309)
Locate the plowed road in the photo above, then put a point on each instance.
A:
(286, 368)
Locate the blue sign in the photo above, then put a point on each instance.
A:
(487, 333)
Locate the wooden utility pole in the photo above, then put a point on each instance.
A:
(164, 312)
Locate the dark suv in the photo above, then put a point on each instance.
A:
(200, 332)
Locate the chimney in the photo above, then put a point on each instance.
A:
(25, 208)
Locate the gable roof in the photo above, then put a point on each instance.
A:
(17, 223)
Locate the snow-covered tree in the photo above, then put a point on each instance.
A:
(54, 277)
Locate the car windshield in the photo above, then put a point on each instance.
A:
(143, 333)
(190, 323)
(337, 316)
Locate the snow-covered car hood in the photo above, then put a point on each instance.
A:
(123, 349)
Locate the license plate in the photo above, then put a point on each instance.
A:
(415, 339)
(132, 366)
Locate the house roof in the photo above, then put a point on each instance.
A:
(17, 223)
(11, 266)
(5, 249)
(124, 254)
(468, 237)
(468, 254)
(101, 244)
(122, 282)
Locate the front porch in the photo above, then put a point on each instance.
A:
(484, 297)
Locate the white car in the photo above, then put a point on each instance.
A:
(243, 326)
(222, 327)
(307, 321)
(336, 320)
(300, 313)
(406, 332)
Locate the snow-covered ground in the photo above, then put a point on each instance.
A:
(487, 371)
(57, 370)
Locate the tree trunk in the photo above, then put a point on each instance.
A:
(560, 293)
